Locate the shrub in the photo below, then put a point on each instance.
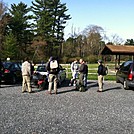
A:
(91, 59)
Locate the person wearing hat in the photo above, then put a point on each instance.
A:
(100, 76)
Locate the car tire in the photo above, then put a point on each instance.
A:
(117, 80)
(125, 85)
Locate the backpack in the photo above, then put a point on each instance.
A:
(104, 70)
(80, 87)
(54, 66)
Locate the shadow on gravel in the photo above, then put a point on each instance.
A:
(115, 88)
(65, 83)
(66, 91)
(13, 85)
(92, 84)
(38, 90)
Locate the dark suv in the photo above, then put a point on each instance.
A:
(125, 74)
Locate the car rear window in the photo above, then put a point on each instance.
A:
(41, 69)
(126, 66)
(128, 63)
(7, 64)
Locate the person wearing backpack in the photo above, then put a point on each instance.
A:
(53, 70)
(74, 70)
(100, 75)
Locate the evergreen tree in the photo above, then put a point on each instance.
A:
(3, 23)
(20, 26)
(10, 49)
(50, 20)
(129, 42)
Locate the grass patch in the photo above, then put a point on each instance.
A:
(107, 77)
(95, 77)
(93, 69)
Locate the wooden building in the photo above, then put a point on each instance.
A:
(118, 50)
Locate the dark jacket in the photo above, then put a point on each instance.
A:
(83, 69)
(100, 69)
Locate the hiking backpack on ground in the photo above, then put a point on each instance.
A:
(80, 87)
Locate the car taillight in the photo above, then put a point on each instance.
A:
(6, 71)
(130, 76)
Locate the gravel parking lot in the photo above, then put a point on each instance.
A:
(68, 112)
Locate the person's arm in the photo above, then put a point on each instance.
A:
(48, 66)
(72, 67)
(29, 69)
(58, 67)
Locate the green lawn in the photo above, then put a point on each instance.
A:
(95, 77)
(107, 77)
(93, 69)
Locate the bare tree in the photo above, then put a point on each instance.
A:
(93, 34)
(116, 40)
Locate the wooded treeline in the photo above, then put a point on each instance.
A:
(38, 33)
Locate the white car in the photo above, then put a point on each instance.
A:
(41, 71)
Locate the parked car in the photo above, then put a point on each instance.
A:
(12, 72)
(62, 75)
(125, 74)
(41, 72)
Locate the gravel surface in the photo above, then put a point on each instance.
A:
(68, 112)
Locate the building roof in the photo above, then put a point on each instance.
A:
(118, 50)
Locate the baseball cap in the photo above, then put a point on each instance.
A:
(100, 61)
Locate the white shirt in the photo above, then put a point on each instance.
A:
(26, 68)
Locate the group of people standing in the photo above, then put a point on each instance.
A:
(78, 71)
(53, 71)
(52, 68)
(81, 70)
